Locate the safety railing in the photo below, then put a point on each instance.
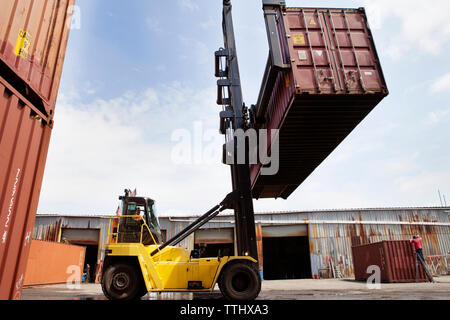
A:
(130, 229)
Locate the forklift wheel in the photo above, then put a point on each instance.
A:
(240, 281)
(120, 282)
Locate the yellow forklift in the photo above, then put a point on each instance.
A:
(137, 261)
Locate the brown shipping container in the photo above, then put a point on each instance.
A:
(53, 262)
(25, 125)
(334, 81)
(394, 258)
(33, 39)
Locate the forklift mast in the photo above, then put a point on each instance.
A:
(234, 117)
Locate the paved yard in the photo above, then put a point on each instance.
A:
(330, 289)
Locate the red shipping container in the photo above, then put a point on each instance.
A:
(33, 40)
(24, 141)
(395, 259)
(334, 81)
(53, 263)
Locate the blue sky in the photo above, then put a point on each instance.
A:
(136, 72)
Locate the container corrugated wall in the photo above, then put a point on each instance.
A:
(50, 228)
(24, 141)
(395, 260)
(332, 52)
(52, 263)
(334, 81)
(33, 40)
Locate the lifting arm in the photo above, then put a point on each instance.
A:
(197, 224)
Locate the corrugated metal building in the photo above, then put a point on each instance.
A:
(292, 245)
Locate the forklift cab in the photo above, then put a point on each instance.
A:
(137, 211)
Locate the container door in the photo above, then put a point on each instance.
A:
(353, 51)
(312, 62)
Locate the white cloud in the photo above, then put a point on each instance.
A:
(208, 24)
(102, 147)
(154, 25)
(318, 194)
(437, 116)
(423, 25)
(198, 51)
(401, 165)
(106, 145)
(441, 84)
(188, 4)
(422, 183)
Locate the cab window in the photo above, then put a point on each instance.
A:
(154, 224)
(136, 210)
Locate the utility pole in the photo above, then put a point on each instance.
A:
(440, 199)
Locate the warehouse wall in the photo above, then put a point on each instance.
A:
(330, 234)
(330, 243)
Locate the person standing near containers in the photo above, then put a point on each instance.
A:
(417, 240)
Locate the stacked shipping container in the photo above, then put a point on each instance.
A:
(332, 81)
(33, 41)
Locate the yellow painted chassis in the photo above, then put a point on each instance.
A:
(171, 269)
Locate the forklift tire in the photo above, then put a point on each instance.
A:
(240, 281)
(120, 282)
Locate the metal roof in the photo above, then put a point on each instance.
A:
(293, 212)
(445, 209)
(76, 215)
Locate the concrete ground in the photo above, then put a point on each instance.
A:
(329, 289)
